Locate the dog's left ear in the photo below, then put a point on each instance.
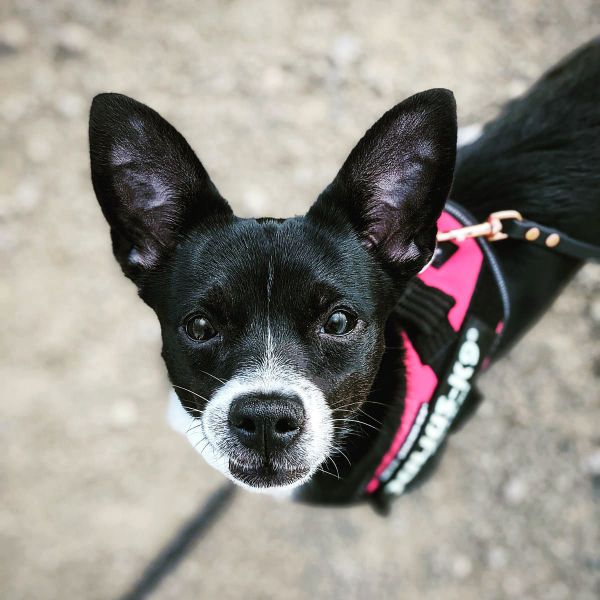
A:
(394, 184)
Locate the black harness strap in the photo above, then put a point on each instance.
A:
(423, 311)
(552, 239)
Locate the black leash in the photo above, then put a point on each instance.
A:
(546, 237)
(174, 551)
(506, 224)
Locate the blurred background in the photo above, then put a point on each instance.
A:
(272, 95)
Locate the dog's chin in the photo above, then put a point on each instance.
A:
(266, 477)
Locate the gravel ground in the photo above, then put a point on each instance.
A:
(272, 95)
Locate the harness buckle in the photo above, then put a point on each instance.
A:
(491, 229)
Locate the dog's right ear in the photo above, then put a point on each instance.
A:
(150, 185)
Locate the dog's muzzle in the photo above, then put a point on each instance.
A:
(264, 433)
(267, 427)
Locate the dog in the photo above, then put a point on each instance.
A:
(282, 337)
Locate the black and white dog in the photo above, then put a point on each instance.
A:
(275, 331)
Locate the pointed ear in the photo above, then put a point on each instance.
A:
(394, 184)
(151, 187)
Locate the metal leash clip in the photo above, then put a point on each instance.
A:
(491, 229)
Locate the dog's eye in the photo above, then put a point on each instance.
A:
(339, 323)
(200, 329)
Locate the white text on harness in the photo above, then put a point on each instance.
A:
(445, 410)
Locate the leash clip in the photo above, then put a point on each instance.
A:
(491, 229)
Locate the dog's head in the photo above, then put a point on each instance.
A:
(272, 329)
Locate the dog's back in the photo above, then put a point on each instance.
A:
(541, 156)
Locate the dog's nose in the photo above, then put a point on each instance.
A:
(266, 423)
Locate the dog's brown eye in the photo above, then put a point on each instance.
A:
(200, 329)
(339, 323)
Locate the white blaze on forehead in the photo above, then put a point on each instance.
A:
(269, 346)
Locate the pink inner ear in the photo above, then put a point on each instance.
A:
(399, 252)
(386, 224)
(391, 245)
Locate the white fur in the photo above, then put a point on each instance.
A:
(270, 377)
(273, 374)
(208, 432)
(469, 134)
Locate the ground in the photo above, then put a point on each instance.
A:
(272, 95)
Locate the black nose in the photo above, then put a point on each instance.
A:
(266, 423)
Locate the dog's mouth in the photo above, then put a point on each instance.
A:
(267, 475)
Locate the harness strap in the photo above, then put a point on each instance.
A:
(423, 311)
(547, 237)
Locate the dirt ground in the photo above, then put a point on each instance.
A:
(272, 95)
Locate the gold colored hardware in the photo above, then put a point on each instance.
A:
(490, 229)
(553, 240)
(532, 234)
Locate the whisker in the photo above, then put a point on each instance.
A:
(360, 402)
(357, 403)
(355, 421)
(365, 414)
(206, 444)
(353, 433)
(333, 463)
(193, 427)
(190, 391)
(375, 402)
(343, 454)
(322, 470)
(213, 376)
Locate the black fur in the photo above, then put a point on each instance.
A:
(540, 157)
(368, 233)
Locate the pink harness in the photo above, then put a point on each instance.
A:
(436, 392)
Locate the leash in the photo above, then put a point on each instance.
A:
(181, 543)
(510, 224)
